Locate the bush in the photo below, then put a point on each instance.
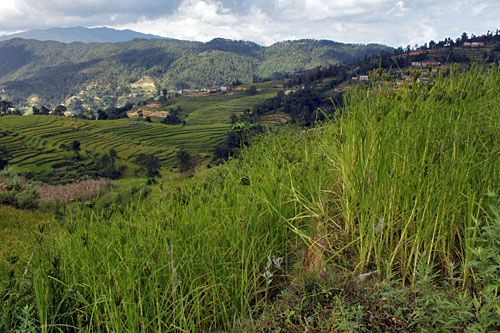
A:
(16, 191)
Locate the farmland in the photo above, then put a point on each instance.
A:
(208, 109)
(35, 141)
(39, 143)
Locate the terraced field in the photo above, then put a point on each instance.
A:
(218, 108)
(35, 141)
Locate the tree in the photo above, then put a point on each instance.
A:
(148, 163)
(5, 106)
(243, 131)
(234, 119)
(75, 147)
(5, 156)
(252, 90)
(186, 161)
(173, 117)
(59, 110)
(464, 37)
(44, 110)
(106, 166)
(101, 115)
(113, 155)
(162, 100)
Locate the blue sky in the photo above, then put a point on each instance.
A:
(392, 22)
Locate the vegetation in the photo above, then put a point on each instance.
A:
(149, 164)
(385, 217)
(186, 161)
(43, 148)
(113, 71)
(14, 191)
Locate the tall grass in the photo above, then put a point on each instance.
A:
(194, 258)
(399, 181)
(416, 166)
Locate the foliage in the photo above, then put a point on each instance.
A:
(239, 135)
(185, 161)
(16, 192)
(67, 68)
(4, 157)
(375, 215)
(5, 106)
(252, 90)
(486, 270)
(173, 117)
(149, 164)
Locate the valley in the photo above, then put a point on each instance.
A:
(164, 185)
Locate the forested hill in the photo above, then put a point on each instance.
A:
(52, 71)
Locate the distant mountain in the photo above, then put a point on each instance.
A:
(81, 34)
(50, 72)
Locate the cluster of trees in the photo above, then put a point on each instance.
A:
(238, 136)
(7, 107)
(150, 165)
(173, 117)
(114, 113)
(109, 113)
(316, 75)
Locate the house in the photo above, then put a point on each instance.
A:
(364, 78)
(432, 63)
(416, 64)
(473, 44)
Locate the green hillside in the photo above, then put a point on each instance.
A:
(385, 218)
(53, 71)
(39, 144)
(35, 141)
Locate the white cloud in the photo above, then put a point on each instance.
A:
(393, 22)
(8, 9)
(204, 20)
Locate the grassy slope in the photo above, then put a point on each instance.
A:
(18, 230)
(395, 187)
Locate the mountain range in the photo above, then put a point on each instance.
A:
(49, 72)
(81, 34)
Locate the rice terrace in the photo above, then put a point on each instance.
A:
(155, 184)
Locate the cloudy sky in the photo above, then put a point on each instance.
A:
(392, 22)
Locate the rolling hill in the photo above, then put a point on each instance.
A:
(48, 72)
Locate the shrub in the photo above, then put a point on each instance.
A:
(16, 192)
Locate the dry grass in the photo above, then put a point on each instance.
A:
(60, 194)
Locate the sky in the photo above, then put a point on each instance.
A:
(391, 22)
